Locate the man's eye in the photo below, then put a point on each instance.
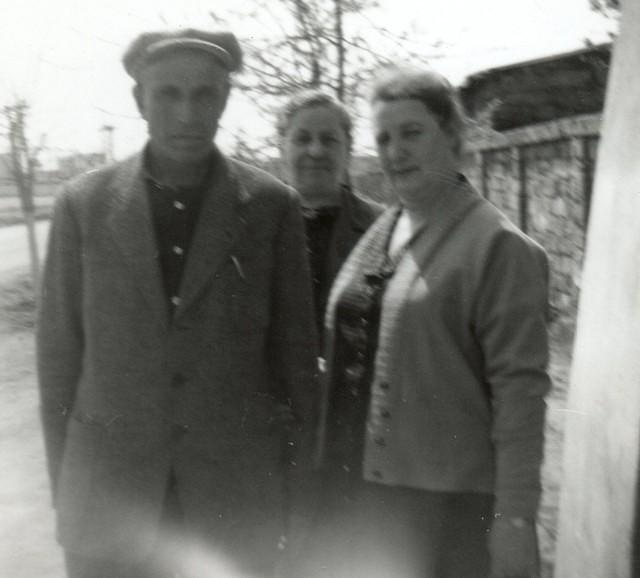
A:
(168, 93)
(206, 95)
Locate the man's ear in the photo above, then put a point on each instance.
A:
(225, 98)
(138, 97)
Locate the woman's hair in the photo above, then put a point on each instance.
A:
(309, 98)
(430, 88)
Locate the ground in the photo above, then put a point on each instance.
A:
(27, 545)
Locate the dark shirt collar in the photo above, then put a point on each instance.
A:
(212, 166)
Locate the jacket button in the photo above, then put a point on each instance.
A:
(377, 474)
(384, 385)
(354, 372)
(385, 413)
(178, 380)
(179, 429)
(380, 442)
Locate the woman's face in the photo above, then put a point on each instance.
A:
(414, 151)
(315, 151)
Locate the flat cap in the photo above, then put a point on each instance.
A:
(221, 45)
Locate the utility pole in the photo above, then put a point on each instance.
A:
(107, 142)
(23, 166)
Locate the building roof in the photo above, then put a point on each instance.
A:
(539, 90)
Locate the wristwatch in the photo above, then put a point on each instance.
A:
(517, 522)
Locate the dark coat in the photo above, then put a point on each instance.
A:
(129, 392)
(354, 218)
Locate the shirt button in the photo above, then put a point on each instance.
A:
(179, 379)
(175, 300)
(180, 206)
(177, 250)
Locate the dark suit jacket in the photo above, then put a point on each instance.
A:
(129, 393)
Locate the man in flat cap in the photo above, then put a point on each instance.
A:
(176, 340)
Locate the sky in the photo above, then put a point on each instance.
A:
(64, 56)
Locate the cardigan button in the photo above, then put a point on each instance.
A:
(354, 372)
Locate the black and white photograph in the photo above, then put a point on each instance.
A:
(320, 289)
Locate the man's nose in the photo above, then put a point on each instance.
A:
(185, 110)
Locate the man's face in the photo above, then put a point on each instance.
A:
(182, 96)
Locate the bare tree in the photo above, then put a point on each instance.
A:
(330, 44)
(608, 8)
(24, 161)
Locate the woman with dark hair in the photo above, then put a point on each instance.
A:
(315, 144)
(436, 351)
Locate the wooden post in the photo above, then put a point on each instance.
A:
(597, 517)
(520, 160)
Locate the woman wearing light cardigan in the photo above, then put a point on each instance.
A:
(431, 437)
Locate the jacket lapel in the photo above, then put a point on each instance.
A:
(220, 225)
(130, 222)
(349, 227)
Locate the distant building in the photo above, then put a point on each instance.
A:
(5, 169)
(78, 163)
(532, 152)
(541, 90)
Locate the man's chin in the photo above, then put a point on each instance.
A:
(188, 155)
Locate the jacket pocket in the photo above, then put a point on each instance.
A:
(84, 447)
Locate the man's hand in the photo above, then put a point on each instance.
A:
(513, 547)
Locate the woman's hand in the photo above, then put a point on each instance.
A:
(513, 547)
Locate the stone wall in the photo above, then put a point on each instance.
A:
(541, 176)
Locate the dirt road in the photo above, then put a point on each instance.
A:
(27, 545)
(14, 248)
